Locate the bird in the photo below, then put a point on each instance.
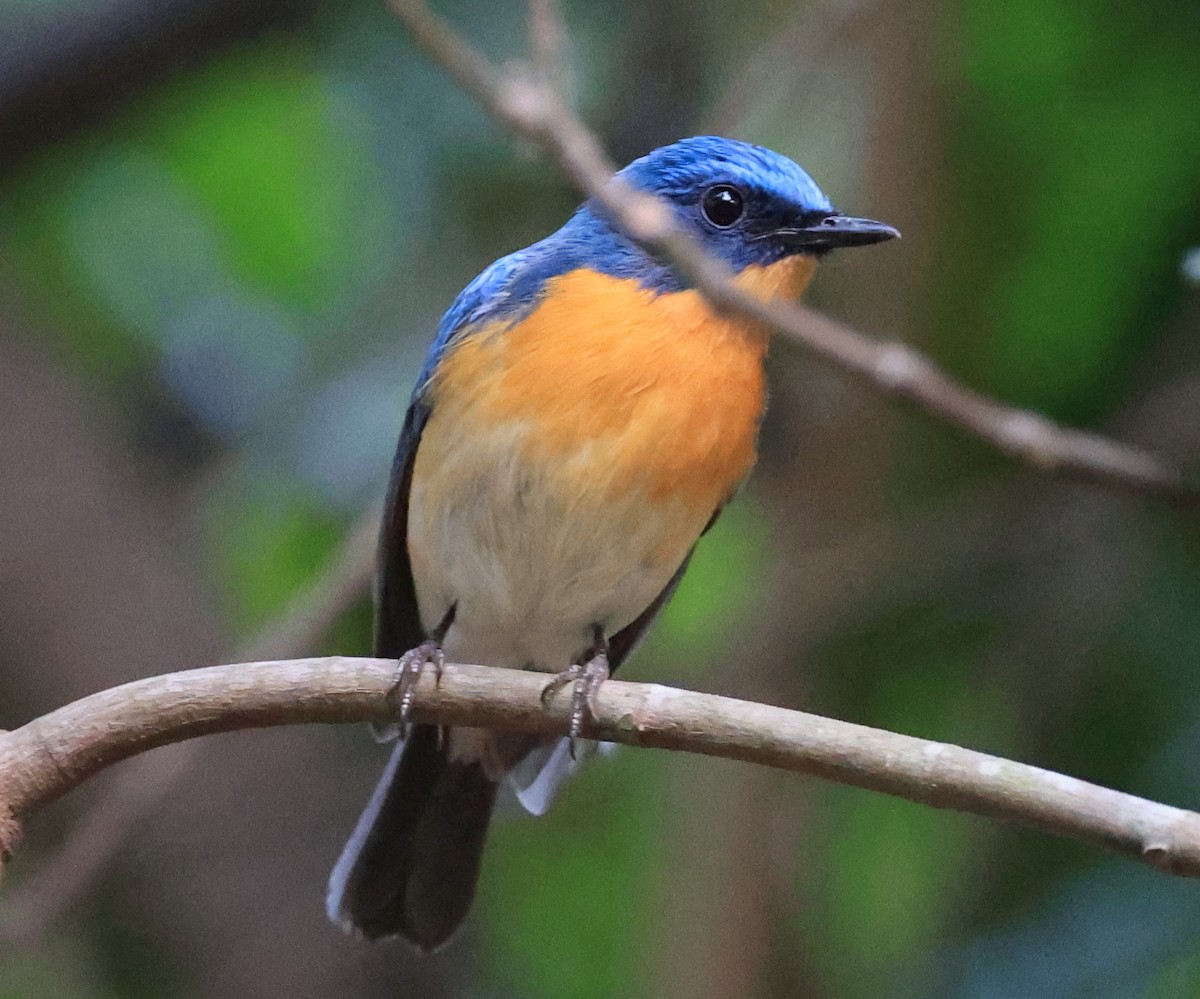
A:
(581, 419)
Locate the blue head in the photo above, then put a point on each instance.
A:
(746, 205)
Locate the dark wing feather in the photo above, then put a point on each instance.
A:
(397, 621)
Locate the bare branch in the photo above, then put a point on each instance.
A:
(814, 36)
(548, 45)
(528, 105)
(49, 756)
(100, 833)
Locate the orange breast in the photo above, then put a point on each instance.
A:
(655, 392)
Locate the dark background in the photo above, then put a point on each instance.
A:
(226, 234)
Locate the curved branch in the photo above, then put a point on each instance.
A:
(528, 104)
(56, 752)
(95, 838)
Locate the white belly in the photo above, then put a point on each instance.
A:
(533, 555)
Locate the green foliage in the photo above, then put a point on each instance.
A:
(269, 151)
(270, 543)
(589, 884)
(1180, 979)
(1077, 155)
(718, 591)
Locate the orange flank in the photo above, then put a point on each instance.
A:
(647, 392)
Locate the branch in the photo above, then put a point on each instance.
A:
(49, 756)
(528, 104)
(96, 837)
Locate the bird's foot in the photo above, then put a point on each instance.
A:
(587, 677)
(404, 686)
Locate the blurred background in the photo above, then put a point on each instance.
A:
(227, 232)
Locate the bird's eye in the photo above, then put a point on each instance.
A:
(722, 205)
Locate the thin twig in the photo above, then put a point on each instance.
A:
(548, 45)
(527, 105)
(792, 58)
(46, 758)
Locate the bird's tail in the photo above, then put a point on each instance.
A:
(412, 862)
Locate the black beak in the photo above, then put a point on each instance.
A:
(836, 231)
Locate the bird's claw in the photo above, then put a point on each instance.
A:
(587, 678)
(403, 690)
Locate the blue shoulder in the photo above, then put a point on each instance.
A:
(489, 297)
(509, 289)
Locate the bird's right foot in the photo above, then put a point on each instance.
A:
(404, 687)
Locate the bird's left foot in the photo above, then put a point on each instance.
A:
(404, 686)
(587, 677)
